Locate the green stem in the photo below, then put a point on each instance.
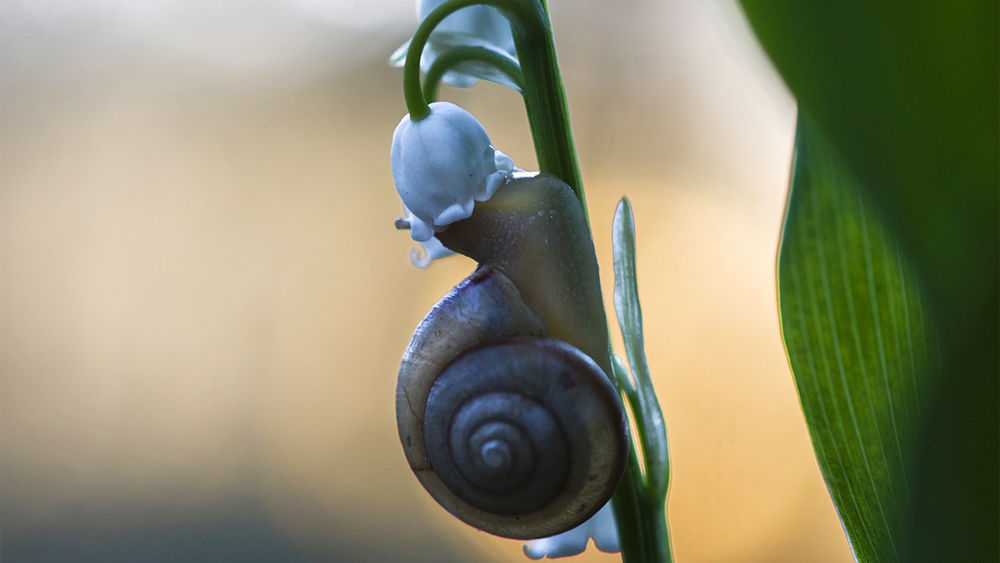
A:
(641, 519)
(416, 104)
(458, 55)
(640, 501)
(545, 98)
(640, 516)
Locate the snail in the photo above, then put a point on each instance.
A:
(504, 406)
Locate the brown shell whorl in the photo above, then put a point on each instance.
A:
(513, 432)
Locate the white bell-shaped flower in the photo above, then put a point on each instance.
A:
(601, 527)
(472, 26)
(442, 164)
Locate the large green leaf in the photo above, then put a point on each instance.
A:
(854, 327)
(907, 94)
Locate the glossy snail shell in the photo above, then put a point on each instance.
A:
(513, 432)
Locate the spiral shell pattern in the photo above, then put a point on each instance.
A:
(522, 436)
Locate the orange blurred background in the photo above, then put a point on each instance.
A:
(204, 302)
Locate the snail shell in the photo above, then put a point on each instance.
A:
(513, 432)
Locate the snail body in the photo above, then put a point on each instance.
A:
(504, 415)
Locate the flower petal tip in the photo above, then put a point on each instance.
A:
(601, 527)
(428, 252)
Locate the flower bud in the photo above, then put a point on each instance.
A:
(441, 165)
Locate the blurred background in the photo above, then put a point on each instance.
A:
(204, 302)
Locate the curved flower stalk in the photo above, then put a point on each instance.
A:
(441, 165)
(480, 27)
(601, 527)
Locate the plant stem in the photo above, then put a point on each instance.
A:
(520, 11)
(545, 99)
(642, 519)
(640, 503)
(640, 515)
(453, 57)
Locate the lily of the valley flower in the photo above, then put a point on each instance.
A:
(442, 164)
(601, 527)
(472, 26)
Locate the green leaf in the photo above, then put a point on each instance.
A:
(853, 325)
(652, 429)
(907, 94)
(640, 501)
